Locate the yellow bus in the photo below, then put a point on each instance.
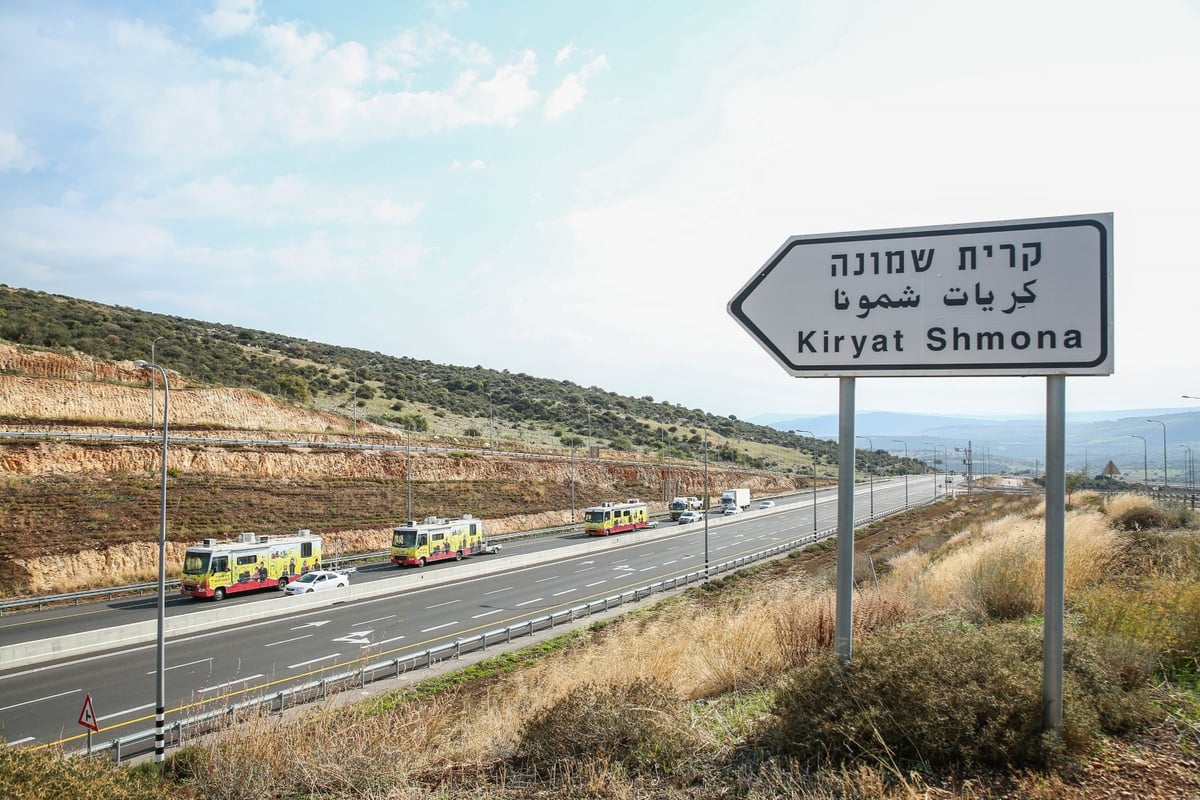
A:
(610, 517)
(216, 569)
(434, 539)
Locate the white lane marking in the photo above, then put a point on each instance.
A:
(385, 641)
(530, 602)
(498, 591)
(439, 627)
(597, 583)
(127, 711)
(564, 591)
(689, 555)
(672, 561)
(488, 613)
(585, 569)
(377, 619)
(285, 641)
(313, 661)
(188, 664)
(439, 605)
(19, 741)
(230, 683)
(316, 624)
(543, 580)
(356, 637)
(40, 699)
(646, 569)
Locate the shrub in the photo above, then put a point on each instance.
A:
(29, 775)
(944, 697)
(635, 724)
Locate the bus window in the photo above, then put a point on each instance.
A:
(220, 564)
(306, 550)
(196, 563)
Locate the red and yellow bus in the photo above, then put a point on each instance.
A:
(611, 517)
(416, 544)
(250, 562)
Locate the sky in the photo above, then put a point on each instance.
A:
(576, 190)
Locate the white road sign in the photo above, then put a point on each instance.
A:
(1021, 297)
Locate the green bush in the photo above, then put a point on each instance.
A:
(634, 724)
(946, 697)
(28, 775)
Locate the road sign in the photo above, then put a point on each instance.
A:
(1018, 297)
(87, 716)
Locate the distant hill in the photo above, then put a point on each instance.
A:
(409, 394)
(1092, 438)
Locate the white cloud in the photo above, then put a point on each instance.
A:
(230, 18)
(563, 54)
(391, 211)
(476, 164)
(15, 155)
(293, 48)
(571, 91)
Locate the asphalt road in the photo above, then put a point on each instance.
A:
(41, 705)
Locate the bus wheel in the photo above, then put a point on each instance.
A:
(282, 582)
(218, 595)
(421, 561)
(458, 556)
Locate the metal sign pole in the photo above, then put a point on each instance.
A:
(844, 619)
(1056, 504)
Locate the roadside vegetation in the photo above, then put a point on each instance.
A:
(732, 690)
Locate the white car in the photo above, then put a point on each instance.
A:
(731, 510)
(318, 581)
(767, 504)
(690, 516)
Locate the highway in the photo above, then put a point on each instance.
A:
(40, 704)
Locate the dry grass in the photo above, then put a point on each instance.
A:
(671, 702)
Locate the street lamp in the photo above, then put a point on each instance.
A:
(1164, 427)
(706, 505)
(153, 414)
(901, 441)
(160, 708)
(1145, 469)
(872, 473)
(1188, 470)
(933, 447)
(814, 478)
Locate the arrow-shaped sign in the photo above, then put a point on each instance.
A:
(356, 637)
(316, 624)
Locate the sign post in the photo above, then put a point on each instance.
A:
(1009, 298)
(87, 718)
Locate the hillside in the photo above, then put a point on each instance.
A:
(84, 511)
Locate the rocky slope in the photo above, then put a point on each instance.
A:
(84, 512)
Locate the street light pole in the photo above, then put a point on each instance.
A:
(814, 478)
(901, 441)
(153, 414)
(872, 473)
(1164, 427)
(1187, 467)
(706, 505)
(160, 704)
(933, 447)
(1145, 462)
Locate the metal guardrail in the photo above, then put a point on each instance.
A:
(178, 732)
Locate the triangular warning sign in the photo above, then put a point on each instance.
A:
(87, 717)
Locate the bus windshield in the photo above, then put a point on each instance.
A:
(195, 563)
(404, 539)
(595, 516)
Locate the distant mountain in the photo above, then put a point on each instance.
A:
(1092, 438)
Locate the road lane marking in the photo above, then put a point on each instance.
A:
(439, 605)
(40, 699)
(439, 627)
(498, 591)
(188, 664)
(565, 591)
(19, 741)
(285, 641)
(377, 619)
(316, 624)
(312, 661)
(672, 561)
(585, 569)
(543, 580)
(488, 613)
(228, 683)
(385, 641)
(597, 583)
(530, 602)
(126, 711)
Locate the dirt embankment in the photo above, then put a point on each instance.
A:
(78, 512)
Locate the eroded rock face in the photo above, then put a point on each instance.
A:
(51, 392)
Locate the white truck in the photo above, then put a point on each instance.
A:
(682, 504)
(739, 498)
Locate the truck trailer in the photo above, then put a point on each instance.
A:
(736, 497)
